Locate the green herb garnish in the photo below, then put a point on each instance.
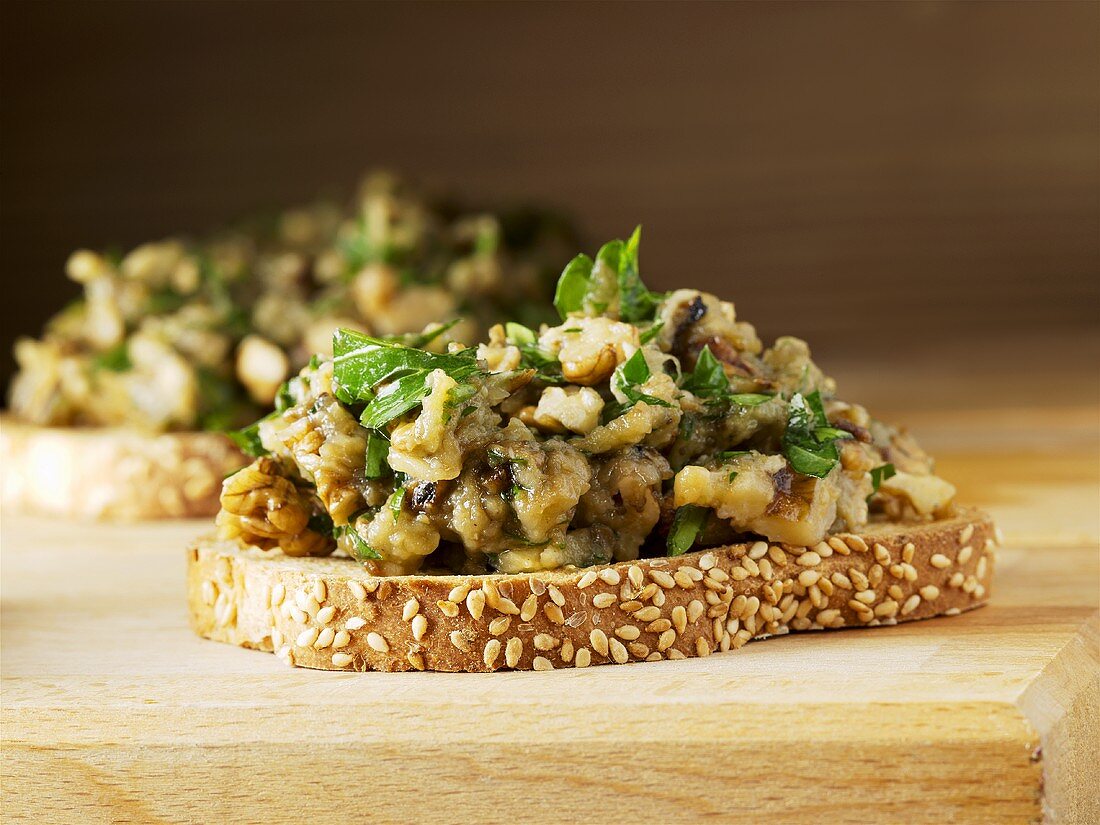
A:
(359, 547)
(710, 382)
(579, 291)
(629, 376)
(687, 524)
(362, 363)
(378, 450)
(880, 474)
(809, 443)
(116, 359)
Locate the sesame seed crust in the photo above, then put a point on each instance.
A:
(113, 474)
(647, 610)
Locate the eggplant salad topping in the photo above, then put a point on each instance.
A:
(180, 335)
(642, 424)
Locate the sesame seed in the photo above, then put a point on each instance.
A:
(567, 651)
(956, 580)
(499, 625)
(765, 568)
(897, 571)
(809, 559)
(888, 607)
(683, 579)
(930, 592)
(635, 575)
(758, 550)
(459, 640)
(491, 652)
(695, 609)
(371, 585)
(907, 552)
(553, 613)
(419, 626)
(209, 592)
(325, 614)
(874, 575)
(866, 596)
(981, 568)
(324, 638)
(648, 592)
(320, 590)
(707, 561)
(376, 642)
(808, 577)
(628, 632)
(827, 617)
(882, 555)
(659, 598)
(823, 549)
(296, 614)
(412, 607)
(415, 659)
(979, 591)
(506, 606)
(529, 608)
(278, 593)
(702, 648)
(586, 580)
(541, 663)
(739, 574)
(341, 659)
(513, 651)
(952, 611)
(662, 579)
(858, 578)
(965, 554)
(966, 533)
(357, 590)
(940, 561)
(658, 626)
(910, 605)
(458, 593)
(817, 598)
(638, 650)
(610, 576)
(448, 608)
(538, 586)
(618, 651)
(583, 658)
(544, 641)
(647, 614)
(679, 618)
(599, 641)
(895, 592)
(307, 637)
(341, 639)
(666, 640)
(747, 563)
(555, 595)
(777, 555)
(602, 600)
(475, 603)
(576, 619)
(838, 544)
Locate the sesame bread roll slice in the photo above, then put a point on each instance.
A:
(330, 614)
(112, 473)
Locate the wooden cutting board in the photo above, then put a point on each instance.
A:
(113, 712)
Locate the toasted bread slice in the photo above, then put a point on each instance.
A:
(330, 614)
(115, 474)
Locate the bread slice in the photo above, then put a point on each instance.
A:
(112, 473)
(330, 614)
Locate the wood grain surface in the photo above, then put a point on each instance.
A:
(113, 712)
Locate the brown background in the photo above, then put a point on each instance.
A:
(914, 180)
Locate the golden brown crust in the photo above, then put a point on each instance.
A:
(330, 614)
(112, 474)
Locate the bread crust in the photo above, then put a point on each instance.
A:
(112, 473)
(330, 614)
